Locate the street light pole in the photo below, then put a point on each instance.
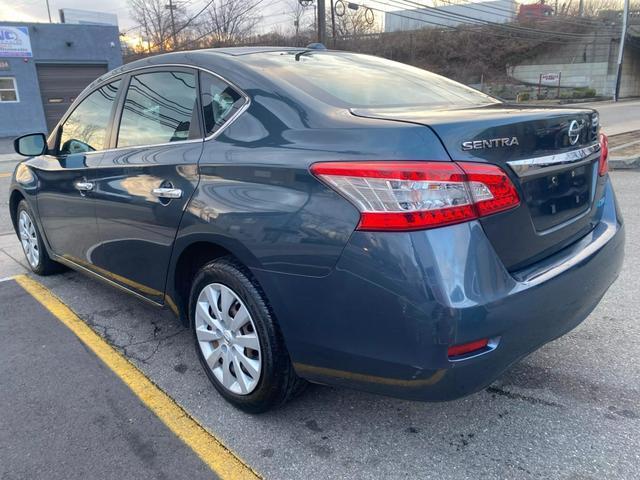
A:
(623, 37)
(322, 29)
(49, 11)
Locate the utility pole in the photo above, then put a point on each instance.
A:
(49, 11)
(322, 29)
(623, 37)
(171, 8)
(333, 24)
(581, 9)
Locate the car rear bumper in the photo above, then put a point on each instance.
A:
(383, 320)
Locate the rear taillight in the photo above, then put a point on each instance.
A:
(603, 165)
(416, 195)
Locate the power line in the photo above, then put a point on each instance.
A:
(467, 19)
(509, 35)
(197, 39)
(189, 20)
(472, 21)
(576, 21)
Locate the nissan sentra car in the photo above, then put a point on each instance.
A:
(325, 216)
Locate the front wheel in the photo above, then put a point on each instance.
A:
(238, 342)
(32, 245)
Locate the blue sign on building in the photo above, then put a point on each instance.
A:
(15, 42)
(45, 66)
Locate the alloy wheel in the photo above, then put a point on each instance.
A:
(228, 339)
(29, 239)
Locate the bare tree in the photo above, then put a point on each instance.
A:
(355, 23)
(155, 21)
(593, 8)
(227, 22)
(296, 13)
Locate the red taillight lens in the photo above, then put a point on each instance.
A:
(490, 187)
(465, 348)
(417, 195)
(603, 165)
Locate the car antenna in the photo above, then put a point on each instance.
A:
(309, 48)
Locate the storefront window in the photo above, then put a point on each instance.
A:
(8, 90)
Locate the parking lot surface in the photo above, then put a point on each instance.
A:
(60, 404)
(569, 411)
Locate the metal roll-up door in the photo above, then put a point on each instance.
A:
(61, 84)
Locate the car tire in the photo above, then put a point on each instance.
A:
(246, 338)
(32, 245)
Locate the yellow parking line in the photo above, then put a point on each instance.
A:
(3, 175)
(211, 451)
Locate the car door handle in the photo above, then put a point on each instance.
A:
(84, 186)
(164, 192)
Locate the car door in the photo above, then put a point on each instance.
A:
(145, 181)
(65, 180)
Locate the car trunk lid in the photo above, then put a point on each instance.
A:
(550, 154)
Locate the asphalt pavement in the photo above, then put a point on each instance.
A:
(571, 410)
(65, 415)
(618, 117)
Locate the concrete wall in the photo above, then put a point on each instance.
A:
(497, 11)
(52, 43)
(593, 75)
(591, 63)
(630, 84)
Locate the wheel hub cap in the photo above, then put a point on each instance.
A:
(227, 339)
(29, 239)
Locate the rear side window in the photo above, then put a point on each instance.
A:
(159, 108)
(354, 80)
(219, 102)
(85, 130)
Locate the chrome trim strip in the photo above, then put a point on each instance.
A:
(598, 238)
(137, 147)
(531, 166)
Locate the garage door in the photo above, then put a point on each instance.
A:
(61, 84)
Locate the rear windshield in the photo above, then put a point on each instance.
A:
(353, 80)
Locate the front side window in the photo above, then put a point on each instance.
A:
(159, 108)
(219, 102)
(8, 89)
(85, 130)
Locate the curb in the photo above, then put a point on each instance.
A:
(625, 163)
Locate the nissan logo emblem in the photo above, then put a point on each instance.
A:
(574, 132)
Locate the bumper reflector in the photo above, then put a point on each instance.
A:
(603, 164)
(466, 348)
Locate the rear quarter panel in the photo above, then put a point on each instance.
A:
(257, 198)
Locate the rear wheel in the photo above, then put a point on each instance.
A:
(237, 339)
(32, 245)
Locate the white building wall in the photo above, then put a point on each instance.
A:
(496, 11)
(575, 75)
(590, 64)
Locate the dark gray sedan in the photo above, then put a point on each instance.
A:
(327, 216)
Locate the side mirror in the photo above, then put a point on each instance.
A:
(31, 145)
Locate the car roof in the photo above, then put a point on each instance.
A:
(212, 56)
(236, 51)
(234, 64)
